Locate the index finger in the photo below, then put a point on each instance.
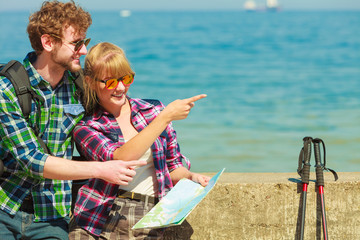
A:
(196, 98)
(135, 163)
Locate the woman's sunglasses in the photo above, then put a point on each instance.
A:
(127, 80)
(77, 44)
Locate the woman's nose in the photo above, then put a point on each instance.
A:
(120, 86)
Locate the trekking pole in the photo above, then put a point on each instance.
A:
(319, 168)
(304, 172)
(320, 182)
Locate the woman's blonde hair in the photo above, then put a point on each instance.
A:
(102, 59)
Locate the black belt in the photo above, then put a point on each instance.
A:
(27, 205)
(137, 196)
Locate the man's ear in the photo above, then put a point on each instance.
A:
(47, 42)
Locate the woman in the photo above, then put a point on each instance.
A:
(107, 210)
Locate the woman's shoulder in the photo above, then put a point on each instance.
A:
(147, 103)
(94, 119)
(154, 102)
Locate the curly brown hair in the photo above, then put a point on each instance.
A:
(53, 18)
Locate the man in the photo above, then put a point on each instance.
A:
(32, 206)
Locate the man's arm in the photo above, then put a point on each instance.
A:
(116, 172)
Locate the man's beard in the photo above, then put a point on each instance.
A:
(65, 63)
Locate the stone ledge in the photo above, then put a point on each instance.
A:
(268, 206)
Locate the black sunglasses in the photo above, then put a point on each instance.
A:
(77, 44)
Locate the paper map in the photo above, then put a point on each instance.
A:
(177, 204)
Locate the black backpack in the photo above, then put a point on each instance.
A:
(17, 74)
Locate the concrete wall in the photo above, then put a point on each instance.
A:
(268, 206)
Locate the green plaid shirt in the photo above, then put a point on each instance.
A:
(21, 153)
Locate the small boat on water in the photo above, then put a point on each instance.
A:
(270, 6)
(250, 6)
(125, 13)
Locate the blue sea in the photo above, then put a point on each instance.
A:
(271, 80)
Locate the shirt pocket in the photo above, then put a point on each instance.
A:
(62, 121)
(71, 116)
(74, 109)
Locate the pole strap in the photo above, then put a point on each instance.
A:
(323, 165)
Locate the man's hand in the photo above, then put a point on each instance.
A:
(119, 172)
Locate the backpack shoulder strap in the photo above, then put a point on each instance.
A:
(16, 73)
(78, 81)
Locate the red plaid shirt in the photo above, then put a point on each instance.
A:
(97, 137)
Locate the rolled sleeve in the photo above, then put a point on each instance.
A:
(93, 143)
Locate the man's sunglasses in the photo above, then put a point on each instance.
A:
(127, 80)
(77, 44)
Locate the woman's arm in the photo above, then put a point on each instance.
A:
(132, 150)
(182, 172)
(137, 146)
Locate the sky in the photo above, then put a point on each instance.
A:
(207, 5)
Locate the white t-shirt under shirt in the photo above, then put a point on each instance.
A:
(144, 182)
